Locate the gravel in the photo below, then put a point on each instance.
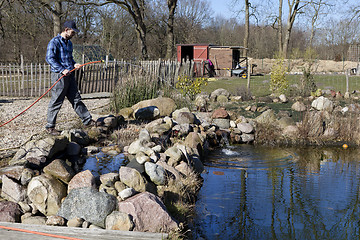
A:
(32, 122)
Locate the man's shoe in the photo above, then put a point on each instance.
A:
(90, 124)
(53, 131)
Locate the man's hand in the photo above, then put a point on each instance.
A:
(65, 72)
(77, 65)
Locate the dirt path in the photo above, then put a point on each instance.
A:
(33, 121)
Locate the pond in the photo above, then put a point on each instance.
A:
(254, 192)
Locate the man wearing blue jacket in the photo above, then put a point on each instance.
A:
(59, 56)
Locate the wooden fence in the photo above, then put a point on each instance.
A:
(33, 80)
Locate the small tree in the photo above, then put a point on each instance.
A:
(279, 84)
(307, 83)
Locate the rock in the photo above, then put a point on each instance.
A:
(218, 92)
(247, 138)
(55, 221)
(322, 104)
(82, 179)
(147, 113)
(165, 105)
(142, 158)
(267, 117)
(185, 118)
(75, 222)
(283, 98)
(39, 150)
(73, 149)
(126, 112)
(77, 135)
(184, 168)
(126, 193)
(25, 207)
(201, 102)
(170, 171)
(220, 113)
(154, 219)
(178, 111)
(9, 212)
(119, 186)
(13, 172)
(110, 122)
(144, 136)
(109, 179)
(290, 131)
(12, 191)
(245, 127)
(221, 123)
(88, 204)
(298, 106)
(135, 147)
(222, 99)
(156, 173)
(132, 178)
(60, 170)
(26, 176)
(34, 220)
(119, 221)
(174, 154)
(46, 192)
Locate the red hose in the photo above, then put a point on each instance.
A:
(47, 92)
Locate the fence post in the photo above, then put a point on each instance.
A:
(347, 80)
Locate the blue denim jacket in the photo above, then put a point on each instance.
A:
(59, 54)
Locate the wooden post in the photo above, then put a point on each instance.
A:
(31, 80)
(347, 80)
(248, 76)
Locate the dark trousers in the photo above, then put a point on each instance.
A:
(66, 87)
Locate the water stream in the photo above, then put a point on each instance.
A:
(252, 192)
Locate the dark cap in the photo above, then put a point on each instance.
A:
(71, 24)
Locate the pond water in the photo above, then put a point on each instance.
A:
(102, 163)
(253, 192)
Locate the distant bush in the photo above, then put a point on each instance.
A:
(189, 86)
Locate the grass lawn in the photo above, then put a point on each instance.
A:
(259, 85)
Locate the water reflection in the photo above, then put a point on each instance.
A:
(102, 163)
(266, 193)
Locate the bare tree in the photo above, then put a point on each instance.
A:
(170, 29)
(294, 8)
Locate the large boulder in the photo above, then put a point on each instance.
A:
(156, 173)
(323, 104)
(60, 170)
(46, 192)
(36, 152)
(133, 178)
(11, 190)
(165, 105)
(88, 204)
(82, 179)
(9, 212)
(268, 117)
(119, 221)
(154, 219)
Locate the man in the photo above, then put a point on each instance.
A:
(59, 56)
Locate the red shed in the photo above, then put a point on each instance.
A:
(223, 58)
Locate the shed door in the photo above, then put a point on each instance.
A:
(200, 53)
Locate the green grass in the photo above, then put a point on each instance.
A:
(260, 85)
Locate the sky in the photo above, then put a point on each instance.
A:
(221, 7)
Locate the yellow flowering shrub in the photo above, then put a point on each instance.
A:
(190, 86)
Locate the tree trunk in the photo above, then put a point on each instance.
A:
(280, 30)
(293, 10)
(170, 29)
(57, 17)
(247, 27)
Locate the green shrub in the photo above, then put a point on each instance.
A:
(278, 84)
